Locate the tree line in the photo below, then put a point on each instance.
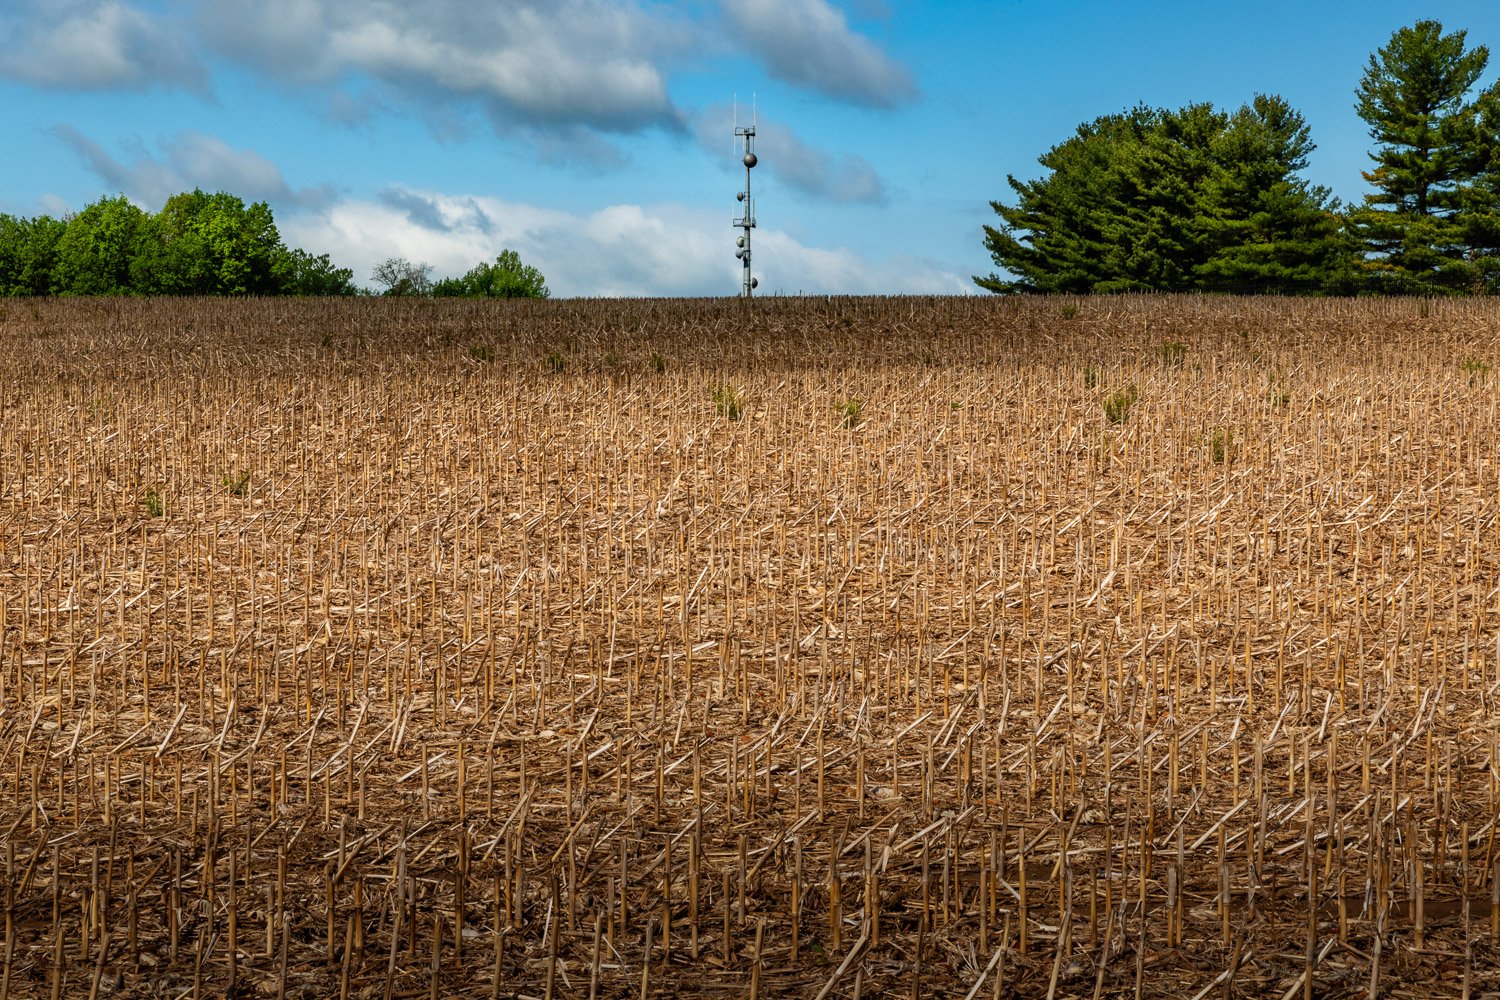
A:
(208, 244)
(198, 244)
(507, 278)
(1203, 199)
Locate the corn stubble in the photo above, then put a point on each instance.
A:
(519, 678)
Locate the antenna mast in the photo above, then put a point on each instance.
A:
(746, 221)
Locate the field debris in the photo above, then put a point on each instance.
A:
(334, 663)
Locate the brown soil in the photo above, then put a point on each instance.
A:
(398, 649)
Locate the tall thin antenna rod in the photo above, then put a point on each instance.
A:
(746, 221)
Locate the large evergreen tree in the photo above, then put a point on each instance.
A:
(1271, 229)
(1063, 229)
(1172, 201)
(1422, 227)
(1479, 201)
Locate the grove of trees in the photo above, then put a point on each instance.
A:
(506, 278)
(1201, 199)
(210, 244)
(198, 244)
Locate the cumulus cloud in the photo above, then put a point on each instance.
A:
(95, 45)
(808, 43)
(848, 177)
(569, 77)
(187, 161)
(788, 266)
(568, 63)
(619, 250)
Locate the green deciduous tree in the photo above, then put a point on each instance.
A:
(1163, 200)
(198, 244)
(401, 277)
(506, 278)
(301, 273)
(95, 250)
(1428, 227)
(209, 244)
(28, 253)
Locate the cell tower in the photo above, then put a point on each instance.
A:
(746, 221)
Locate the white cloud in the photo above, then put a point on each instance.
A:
(95, 45)
(808, 43)
(845, 178)
(620, 250)
(567, 76)
(574, 62)
(189, 160)
(788, 267)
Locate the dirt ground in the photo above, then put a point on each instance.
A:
(831, 648)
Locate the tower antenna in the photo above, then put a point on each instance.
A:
(746, 221)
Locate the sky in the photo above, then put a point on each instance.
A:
(595, 137)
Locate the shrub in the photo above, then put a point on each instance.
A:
(727, 401)
(237, 485)
(1118, 403)
(1221, 446)
(851, 409)
(1277, 397)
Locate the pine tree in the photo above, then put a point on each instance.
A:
(1193, 199)
(1421, 228)
(1479, 201)
(1059, 235)
(1273, 230)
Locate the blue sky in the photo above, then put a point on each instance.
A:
(594, 136)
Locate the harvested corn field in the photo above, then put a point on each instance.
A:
(835, 648)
